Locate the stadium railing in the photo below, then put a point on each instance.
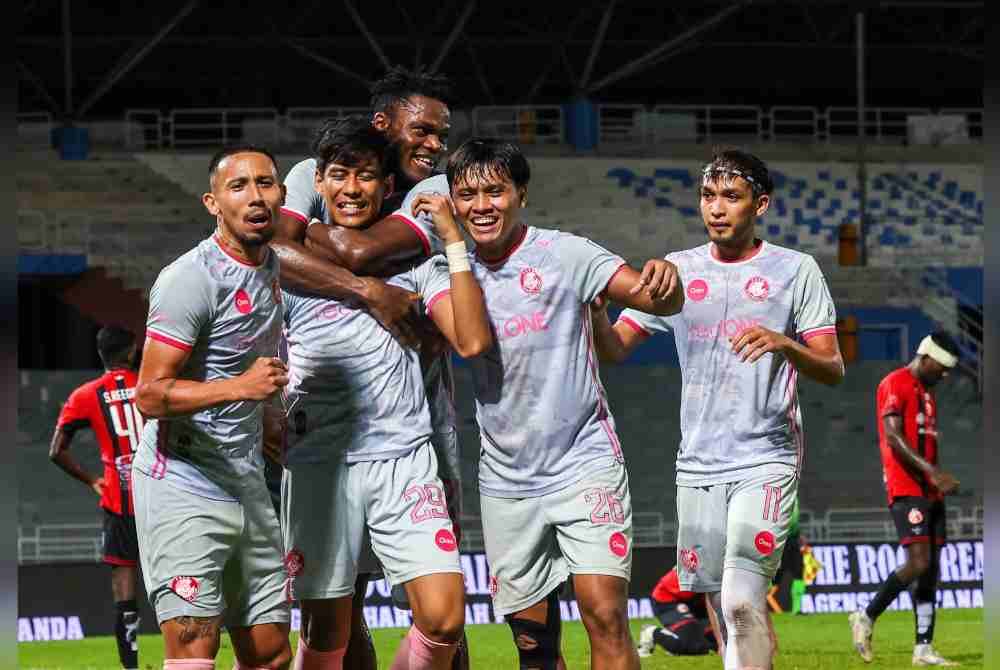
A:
(618, 124)
(54, 543)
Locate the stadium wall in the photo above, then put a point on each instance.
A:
(73, 601)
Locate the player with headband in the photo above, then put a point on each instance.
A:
(915, 487)
(756, 315)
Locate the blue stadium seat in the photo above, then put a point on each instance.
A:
(840, 184)
(950, 190)
(663, 202)
(677, 174)
(623, 175)
(791, 239)
(967, 199)
(773, 230)
(688, 211)
(823, 175)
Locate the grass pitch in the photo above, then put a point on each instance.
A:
(812, 642)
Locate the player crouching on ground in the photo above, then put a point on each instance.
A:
(554, 490)
(685, 628)
(360, 460)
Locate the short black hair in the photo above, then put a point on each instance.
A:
(348, 140)
(946, 342)
(234, 149)
(399, 83)
(739, 163)
(113, 344)
(488, 158)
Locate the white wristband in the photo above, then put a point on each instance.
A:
(458, 257)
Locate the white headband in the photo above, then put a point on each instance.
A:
(928, 347)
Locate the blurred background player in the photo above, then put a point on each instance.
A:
(757, 316)
(209, 540)
(360, 461)
(553, 486)
(106, 405)
(685, 629)
(915, 485)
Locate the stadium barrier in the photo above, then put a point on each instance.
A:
(618, 125)
(849, 576)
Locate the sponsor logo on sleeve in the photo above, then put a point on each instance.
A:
(494, 586)
(915, 516)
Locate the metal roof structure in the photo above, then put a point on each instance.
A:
(78, 61)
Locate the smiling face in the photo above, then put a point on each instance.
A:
(353, 193)
(489, 205)
(418, 128)
(729, 210)
(245, 198)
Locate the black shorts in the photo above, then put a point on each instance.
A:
(919, 519)
(121, 545)
(684, 634)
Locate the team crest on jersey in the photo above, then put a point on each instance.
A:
(915, 516)
(757, 289)
(185, 587)
(683, 609)
(295, 563)
(697, 290)
(689, 559)
(494, 586)
(242, 302)
(445, 540)
(618, 544)
(764, 541)
(531, 281)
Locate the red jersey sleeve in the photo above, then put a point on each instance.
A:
(76, 412)
(893, 396)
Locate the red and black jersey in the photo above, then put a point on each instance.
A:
(902, 394)
(107, 406)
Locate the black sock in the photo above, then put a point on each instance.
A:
(890, 588)
(126, 632)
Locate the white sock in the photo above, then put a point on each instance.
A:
(744, 606)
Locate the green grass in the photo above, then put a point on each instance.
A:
(812, 642)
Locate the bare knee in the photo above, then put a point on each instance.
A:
(607, 620)
(443, 624)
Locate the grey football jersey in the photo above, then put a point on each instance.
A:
(354, 392)
(542, 410)
(734, 415)
(304, 203)
(227, 314)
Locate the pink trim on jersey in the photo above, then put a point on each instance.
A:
(437, 296)
(797, 435)
(295, 214)
(712, 252)
(159, 469)
(237, 258)
(494, 264)
(807, 335)
(166, 339)
(602, 408)
(634, 325)
(424, 240)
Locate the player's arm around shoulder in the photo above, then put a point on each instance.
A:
(657, 290)
(614, 343)
(460, 311)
